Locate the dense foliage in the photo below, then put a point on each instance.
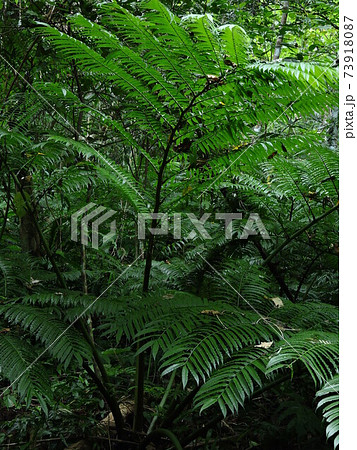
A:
(203, 337)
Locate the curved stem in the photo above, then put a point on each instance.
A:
(111, 401)
(163, 401)
(19, 69)
(166, 433)
(139, 376)
(174, 412)
(305, 274)
(297, 233)
(29, 208)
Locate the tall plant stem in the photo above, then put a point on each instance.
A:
(174, 412)
(297, 233)
(27, 54)
(140, 366)
(46, 247)
(163, 401)
(162, 432)
(110, 399)
(24, 59)
(275, 272)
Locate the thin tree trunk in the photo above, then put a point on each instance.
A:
(279, 41)
(29, 237)
(275, 272)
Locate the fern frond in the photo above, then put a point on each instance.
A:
(136, 31)
(308, 316)
(235, 41)
(232, 383)
(62, 342)
(16, 358)
(16, 270)
(90, 60)
(328, 403)
(124, 181)
(207, 38)
(312, 73)
(174, 36)
(131, 60)
(317, 351)
(201, 351)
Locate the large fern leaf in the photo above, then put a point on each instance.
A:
(317, 351)
(328, 403)
(17, 365)
(233, 382)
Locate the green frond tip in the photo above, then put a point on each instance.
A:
(63, 342)
(18, 364)
(207, 39)
(235, 42)
(122, 180)
(201, 351)
(328, 403)
(234, 382)
(176, 37)
(316, 75)
(317, 351)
